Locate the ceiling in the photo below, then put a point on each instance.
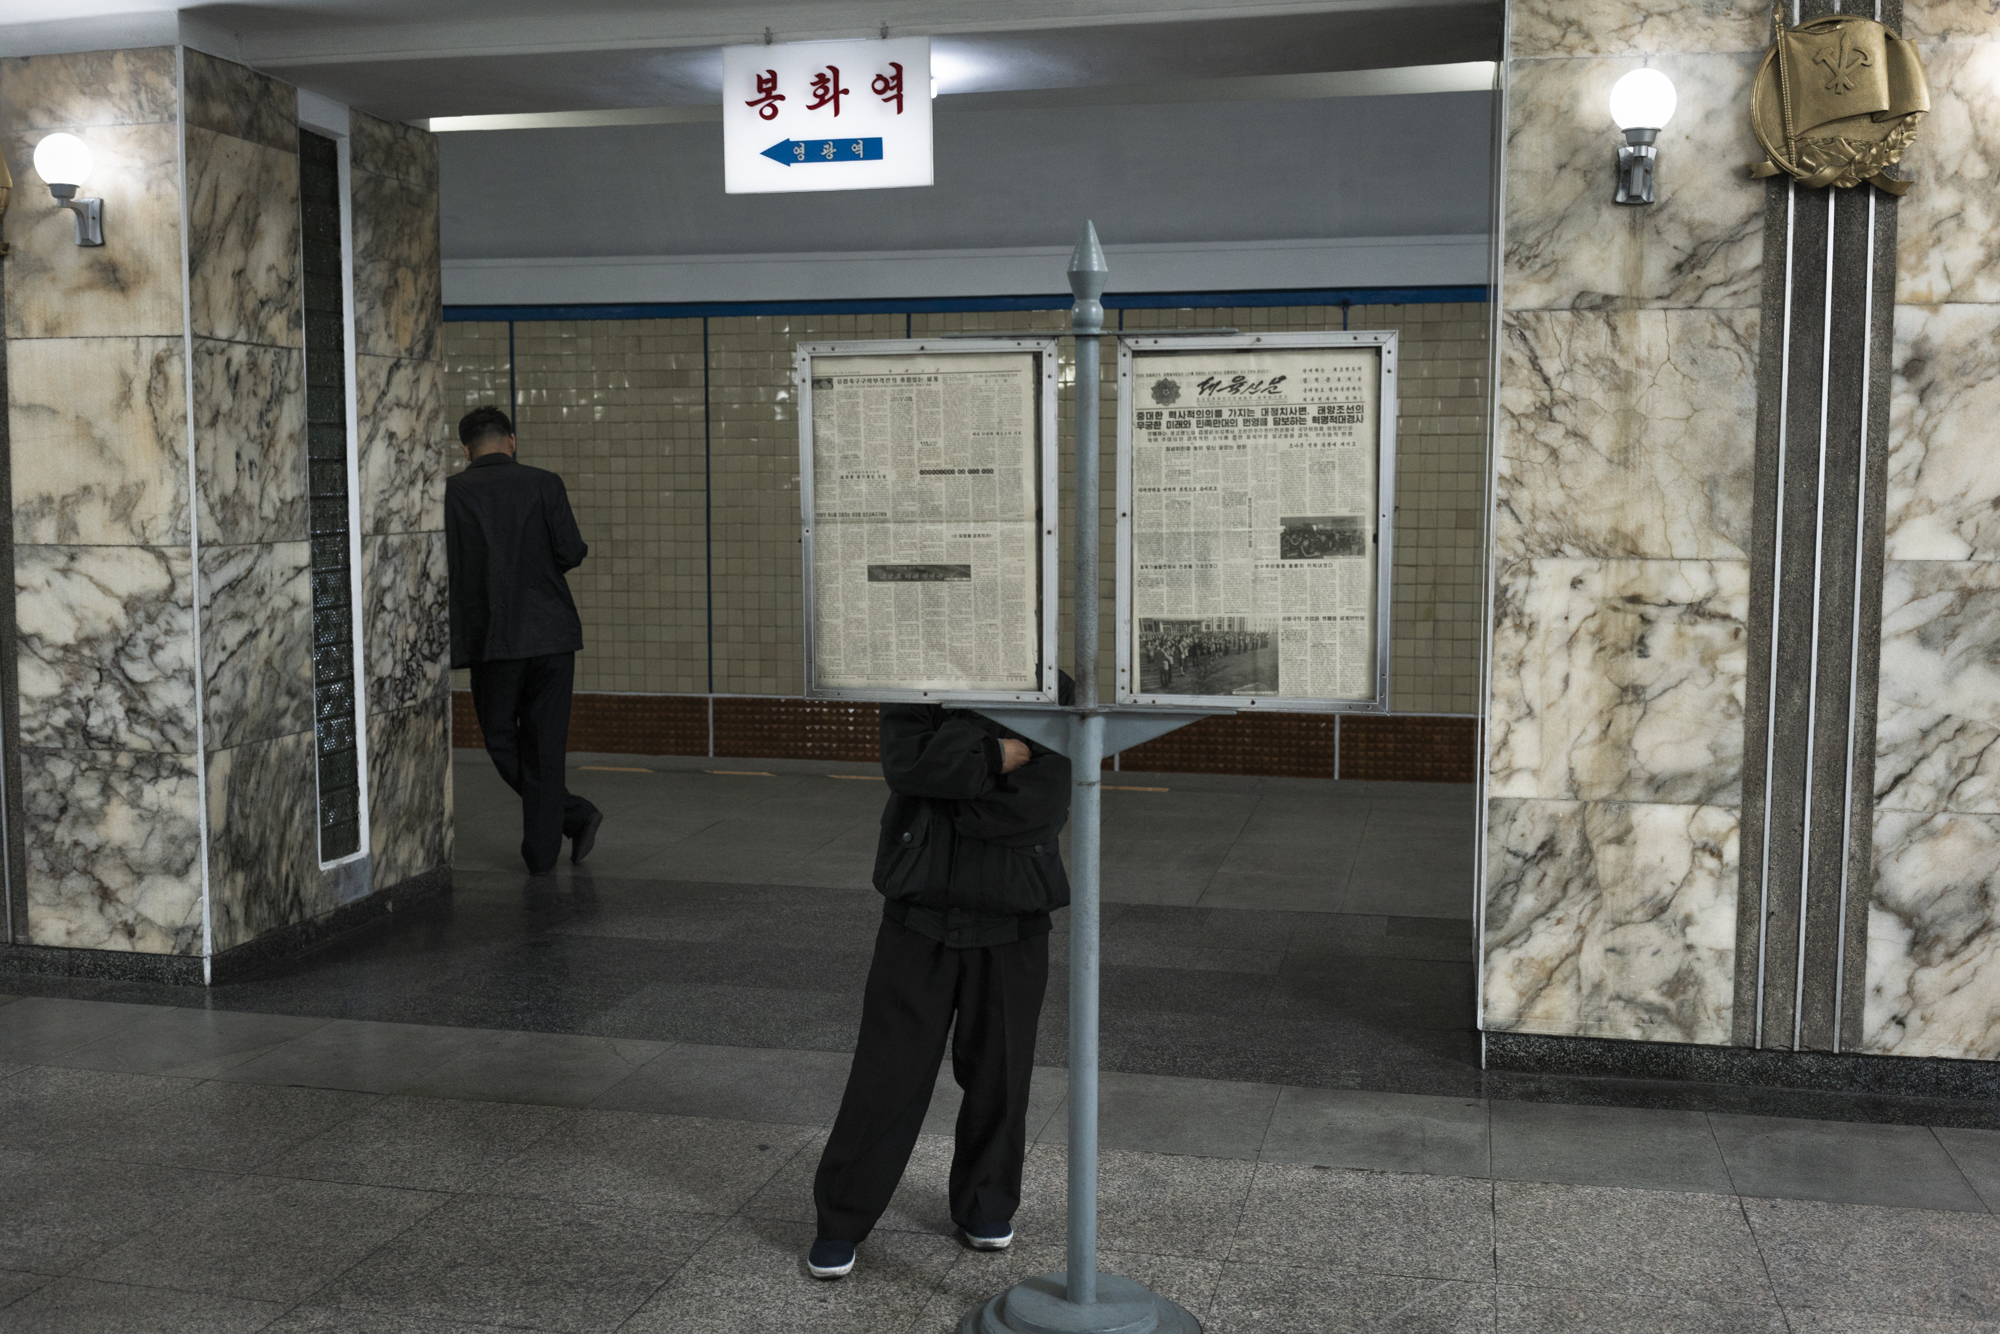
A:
(420, 59)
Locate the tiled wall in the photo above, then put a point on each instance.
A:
(1934, 920)
(617, 407)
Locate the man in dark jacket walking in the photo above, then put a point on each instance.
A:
(509, 539)
(969, 867)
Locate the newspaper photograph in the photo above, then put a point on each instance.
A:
(1254, 501)
(925, 570)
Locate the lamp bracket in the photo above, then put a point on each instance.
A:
(89, 214)
(1637, 157)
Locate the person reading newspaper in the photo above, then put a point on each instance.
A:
(969, 870)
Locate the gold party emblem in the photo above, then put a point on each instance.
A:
(1837, 101)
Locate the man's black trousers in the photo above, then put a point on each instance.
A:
(917, 987)
(523, 706)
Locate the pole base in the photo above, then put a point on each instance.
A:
(1040, 1306)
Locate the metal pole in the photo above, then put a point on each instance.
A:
(1087, 272)
(1081, 1300)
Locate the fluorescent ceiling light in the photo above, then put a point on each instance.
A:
(1472, 76)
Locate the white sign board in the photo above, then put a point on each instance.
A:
(826, 116)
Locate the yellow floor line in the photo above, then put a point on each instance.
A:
(860, 778)
(1113, 787)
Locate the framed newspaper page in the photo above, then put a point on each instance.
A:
(1256, 505)
(927, 494)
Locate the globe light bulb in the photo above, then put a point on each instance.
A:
(1643, 100)
(62, 159)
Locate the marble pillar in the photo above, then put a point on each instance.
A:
(399, 360)
(1624, 441)
(1933, 935)
(161, 517)
(105, 587)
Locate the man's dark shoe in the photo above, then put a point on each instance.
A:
(830, 1259)
(988, 1236)
(585, 841)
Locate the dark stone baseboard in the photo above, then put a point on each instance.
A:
(272, 950)
(103, 965)
(1845, 1086)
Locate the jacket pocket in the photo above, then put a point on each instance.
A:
(1045, 872)
(902, 855)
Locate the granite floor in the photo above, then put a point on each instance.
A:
(176, 1169)
(594, 1104)
(1250, 934)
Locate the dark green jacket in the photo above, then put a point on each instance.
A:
(967, 854)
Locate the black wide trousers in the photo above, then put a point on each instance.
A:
(989, 1000)
(523, 707)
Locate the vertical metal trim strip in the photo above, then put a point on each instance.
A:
(1854, 634)
(1812, 658)
(194, 526)
(351, 403)
(1777, 573)
(1495, 311)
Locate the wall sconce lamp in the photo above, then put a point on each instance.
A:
(63, 160)
(1641, 103)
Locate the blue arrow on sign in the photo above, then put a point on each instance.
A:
(792, 152)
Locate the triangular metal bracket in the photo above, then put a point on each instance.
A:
(1123, 728)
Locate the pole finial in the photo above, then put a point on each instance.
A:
(1087, 272)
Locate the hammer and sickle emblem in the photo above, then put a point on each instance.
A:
(1839, 62)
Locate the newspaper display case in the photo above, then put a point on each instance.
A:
(927, 496)
(1256, 511)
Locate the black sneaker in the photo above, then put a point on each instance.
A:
(580, 847)
(988, 1236)
(830, 1259)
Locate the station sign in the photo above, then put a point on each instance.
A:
(826, 116)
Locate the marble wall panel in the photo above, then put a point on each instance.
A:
(393, 149)
(1943, 499)
(131, 285)
(1937, 731)
(398, 281)
(106, 647)
(250, 443)
(114, 845)
(1611, 920)
(1934, 937)
(1626, 433)
(263, 860)
(237, 101)
(1569, 245)
(1635, 27)
(404, 444)
(1619, 680)
(256, 641)
(405, 611)
(409, 790)
(245, 264)
(61, 92)
(1951, 20)
(1948, 226)
(99, 432)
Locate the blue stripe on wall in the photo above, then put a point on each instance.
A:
(1322, 296)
